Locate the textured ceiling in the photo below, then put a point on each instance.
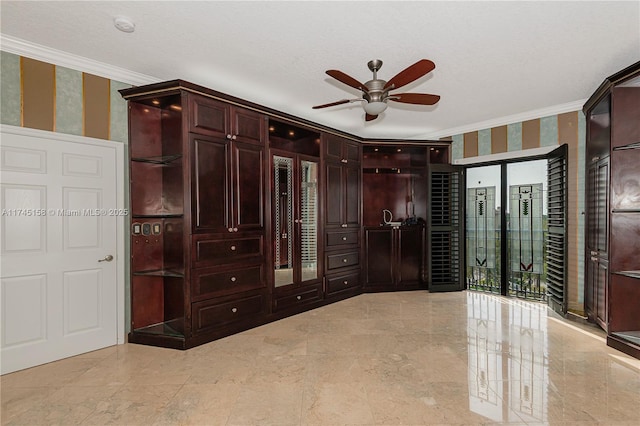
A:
(496, 62)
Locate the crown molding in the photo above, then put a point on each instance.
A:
(64, 59)
(509, 119)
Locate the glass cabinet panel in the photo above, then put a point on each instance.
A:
(295, 210)
(283, 223)
(309, 219)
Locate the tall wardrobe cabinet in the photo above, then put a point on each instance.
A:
(612, 260)
(197, 191)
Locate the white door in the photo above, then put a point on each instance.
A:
(58, 236)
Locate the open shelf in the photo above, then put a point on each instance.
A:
(160, 273)
(631, 336)
(157, 216)
(634, 145)
(161, 159)
(173, 328)
(630, 274)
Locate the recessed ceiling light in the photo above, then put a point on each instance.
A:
(125, 25)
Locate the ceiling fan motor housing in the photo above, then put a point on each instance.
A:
(375, 91)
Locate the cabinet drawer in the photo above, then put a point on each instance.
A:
(342, 260)
(209, 314)
(343, 282)
(341, 238)
(210, 252)
(303, 296)
(210, 282)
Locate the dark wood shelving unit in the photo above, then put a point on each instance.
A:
(613, 209)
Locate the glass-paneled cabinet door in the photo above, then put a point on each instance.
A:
(295, 220)
(309, 220)
(283, 223)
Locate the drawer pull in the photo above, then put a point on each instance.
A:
(344, 225)
(233, 279)
(344, 260)
(345, 282)
(235, 229)
(594, 259)
(233, 248)
(299, 297)
(230, 229)
(344, 238)
(234, 310)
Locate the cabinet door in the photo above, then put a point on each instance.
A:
(351, 215)
(211, 200)
(601, 207)
(332, 148)
(351, 152)
(409, 256)
(295, 221)
(599, 130)
(334, 195)
(248, 186)
(247, 126)
(209, 116)
(380, 254)
(601, 295)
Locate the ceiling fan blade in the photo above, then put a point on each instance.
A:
(415, 98)
(369, 117)
(348, 80)
(410, 74)
(340, 102)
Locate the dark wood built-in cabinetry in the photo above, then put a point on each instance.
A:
(397, 208)
(342, 228)
(198, 216)
(613, 209)
(242, 215)
(394, 257)
(295, 224)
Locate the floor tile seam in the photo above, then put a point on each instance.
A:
(371, 411)
(165, 405)
(233, 404)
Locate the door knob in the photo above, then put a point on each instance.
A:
(107, 258)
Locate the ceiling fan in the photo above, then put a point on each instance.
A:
(375, 93)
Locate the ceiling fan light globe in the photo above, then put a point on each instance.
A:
(375, 108)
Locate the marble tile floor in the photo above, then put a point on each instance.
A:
(408, 358)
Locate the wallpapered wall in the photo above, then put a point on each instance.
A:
(39, 95)
(554, 130)
(43, 96)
